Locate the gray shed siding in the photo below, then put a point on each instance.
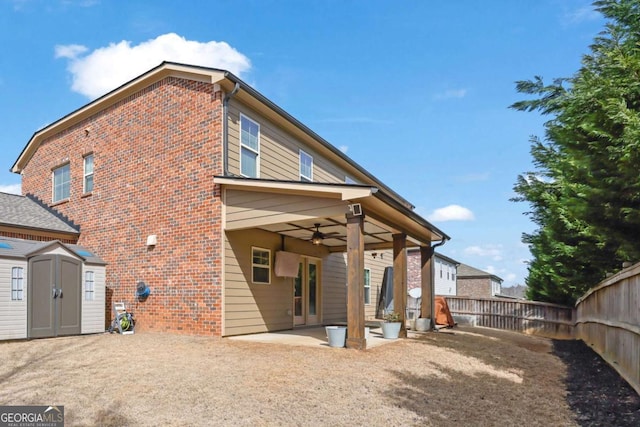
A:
(13, 314)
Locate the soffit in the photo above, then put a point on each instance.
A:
(382, 220)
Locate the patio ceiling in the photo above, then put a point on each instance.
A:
(376, 235)
(293, 209)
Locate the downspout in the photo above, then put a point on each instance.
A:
(225, 128)
(432, 315)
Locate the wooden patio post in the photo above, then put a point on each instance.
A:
(427, 304)
(400, 279)
(355, 282)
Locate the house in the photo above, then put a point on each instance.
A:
(444, 272)
(238, 217)
(477, 283)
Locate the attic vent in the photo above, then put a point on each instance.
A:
(5, 245)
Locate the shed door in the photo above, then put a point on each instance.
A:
(54, 296)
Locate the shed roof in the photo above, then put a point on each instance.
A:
(26, 212)
(20, 248)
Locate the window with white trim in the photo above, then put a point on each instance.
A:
(495, 288)
(249, 147)
(306, 167)
(17, 284)
(88, 174)
(260, 265)
(61, 183)
(89, 286)
(367, 286)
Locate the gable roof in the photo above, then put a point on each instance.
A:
(227, 81)
(26, 212)
(20, 248)
(467, 272)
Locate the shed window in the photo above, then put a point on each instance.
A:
(367, 286)
(306, 167)
(17, 284)
(260, 265)
(88, 174)
(249, 147)
(89, 286)
(61, 183)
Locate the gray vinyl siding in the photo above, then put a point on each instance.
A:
(279, 151)
(335, 284)
(256, 307)
(13, 314)
(251, 208)
(93, 314)
(334, 296)
(253, 307)
(377, 266)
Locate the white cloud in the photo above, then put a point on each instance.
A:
(106, 68)
(70, 51)
(451, 94)
(344, 148)
(502, 273)
(583, 14)
(492, 251)
(11, 188)
(451, 213)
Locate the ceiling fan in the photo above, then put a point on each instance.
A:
(318, 236)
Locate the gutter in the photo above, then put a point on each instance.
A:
(225, 128)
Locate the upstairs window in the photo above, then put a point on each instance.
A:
(61, 183)
(249, 147)
(306, 167)
(88, 174)
(260, 265)
(17, 283)
(89, 286)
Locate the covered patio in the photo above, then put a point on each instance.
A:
(342, 218)
(314, 336)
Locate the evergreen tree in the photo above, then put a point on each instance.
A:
(585, 192)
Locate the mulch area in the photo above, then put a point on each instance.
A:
(596, 393)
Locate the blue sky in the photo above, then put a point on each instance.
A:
(417, 92)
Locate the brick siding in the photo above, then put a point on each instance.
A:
(414, 273)
(155, 156)
(38, 237)
(474, 287)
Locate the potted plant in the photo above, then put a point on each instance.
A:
(391, 325)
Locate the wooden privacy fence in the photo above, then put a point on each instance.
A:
(608, 319)
(529, 317)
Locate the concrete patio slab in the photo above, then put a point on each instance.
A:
(308, 337)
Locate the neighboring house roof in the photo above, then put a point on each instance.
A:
(446, 258)
(26, 212)
(19, 248)
(467, 272)
(438, 255)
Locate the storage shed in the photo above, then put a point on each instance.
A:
(49, 289)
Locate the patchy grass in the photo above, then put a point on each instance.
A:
(463, 376)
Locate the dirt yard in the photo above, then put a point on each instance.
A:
(470, 377)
